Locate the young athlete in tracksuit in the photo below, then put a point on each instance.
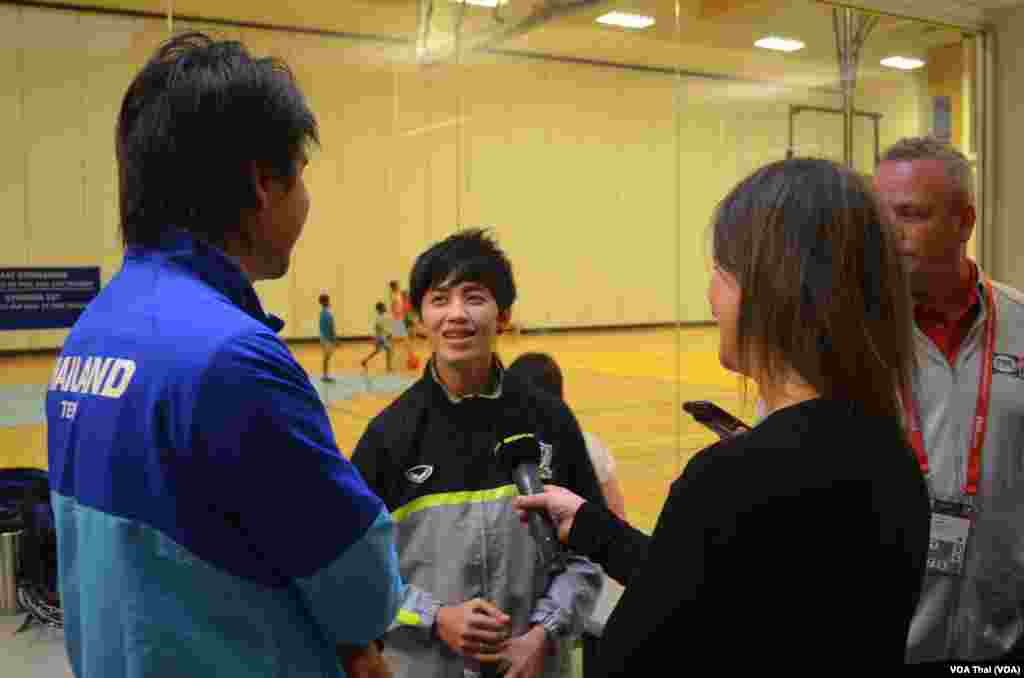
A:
(478, 601)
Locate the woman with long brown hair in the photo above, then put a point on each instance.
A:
(804, 539)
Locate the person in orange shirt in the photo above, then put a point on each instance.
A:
(404, 322)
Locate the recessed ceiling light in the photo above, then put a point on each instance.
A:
(780, 44)
(625, 20)
(902, 63)
(483, 3)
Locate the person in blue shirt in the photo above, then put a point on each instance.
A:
(207, 524)
(328, 338)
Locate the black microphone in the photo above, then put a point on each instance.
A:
(520, 455)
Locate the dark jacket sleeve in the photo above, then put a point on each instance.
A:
(611, 543)
(645, 629)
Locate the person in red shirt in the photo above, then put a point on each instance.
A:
(965, 412)
(405, 330)
(935, 216)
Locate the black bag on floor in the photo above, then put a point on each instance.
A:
(27, 492)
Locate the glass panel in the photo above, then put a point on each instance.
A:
(936, 96)
(596, 154)
(569, 151)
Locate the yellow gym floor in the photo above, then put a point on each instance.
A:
(624, 386)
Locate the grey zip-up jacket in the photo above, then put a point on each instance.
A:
(979, 615)
(431, 458)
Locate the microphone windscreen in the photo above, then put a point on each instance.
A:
(523, 448)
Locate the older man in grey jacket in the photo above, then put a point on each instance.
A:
(966, 412)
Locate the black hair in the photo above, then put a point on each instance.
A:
(193, 123)
(381, 308)
(539, 370)
(470, 255)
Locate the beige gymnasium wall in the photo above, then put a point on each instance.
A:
(591, 176)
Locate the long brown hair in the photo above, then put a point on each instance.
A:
(823, 290)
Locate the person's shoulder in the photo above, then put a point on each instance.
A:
(524, 394)
(721, 454)
(785, 429)
(1011, 294)
(710, 467)
(252, 354)
(402, 412)
(741, 471)
(795, 438)
(172, 310)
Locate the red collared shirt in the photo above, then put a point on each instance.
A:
(948, 328)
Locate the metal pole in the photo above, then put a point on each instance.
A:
(848, 85)
(796, 109)
(790, 153)
(852, 29)
(878, 146)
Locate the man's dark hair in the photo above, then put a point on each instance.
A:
(539, 370)
(470, 255)
(324, 299)
(381, 308)
(192, 124)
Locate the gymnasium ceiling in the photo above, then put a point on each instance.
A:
(713, 36)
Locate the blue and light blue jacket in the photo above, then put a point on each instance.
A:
(206, 523)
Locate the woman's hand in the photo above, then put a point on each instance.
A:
(560, 503)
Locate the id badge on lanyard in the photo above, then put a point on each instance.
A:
(952, 520)
(951, 528)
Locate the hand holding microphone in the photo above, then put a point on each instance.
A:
(557, 502)
(520, 456)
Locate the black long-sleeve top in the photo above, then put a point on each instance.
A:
(800, 544)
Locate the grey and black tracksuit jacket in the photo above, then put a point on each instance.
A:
(431, 458)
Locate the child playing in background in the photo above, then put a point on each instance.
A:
(382, 327)
(328, 338)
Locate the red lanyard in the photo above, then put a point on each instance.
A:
(981, 412)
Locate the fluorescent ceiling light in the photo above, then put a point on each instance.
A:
(484, 3)
(780, 44)
(625, 20)
(902, 63)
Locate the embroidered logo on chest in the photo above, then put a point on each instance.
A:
(544, 467)
(419, 474)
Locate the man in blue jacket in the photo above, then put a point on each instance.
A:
(206, 523)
